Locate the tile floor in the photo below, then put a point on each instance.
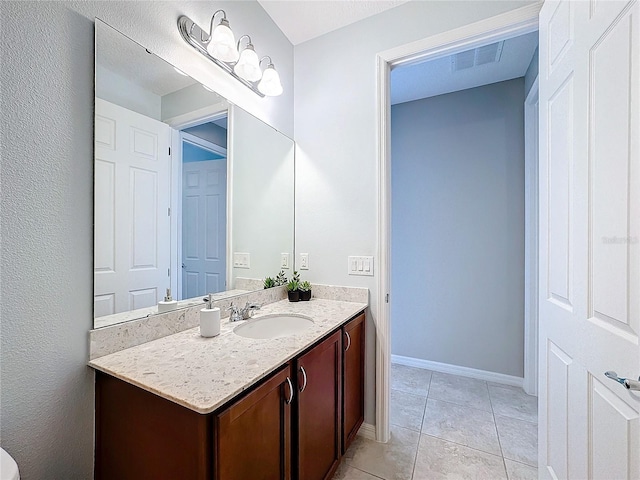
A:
(446, 426)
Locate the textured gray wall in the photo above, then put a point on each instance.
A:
(458, 228)
(46, 211)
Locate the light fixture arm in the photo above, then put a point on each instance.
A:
(270, 61)
(249, 43)
(224, 21)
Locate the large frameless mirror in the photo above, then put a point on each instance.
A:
(192, 193)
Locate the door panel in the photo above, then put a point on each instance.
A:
(204, 234)
(132, 228)
(589, 426)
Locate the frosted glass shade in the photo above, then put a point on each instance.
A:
(270, 84)
(223, 44)
(248, 66)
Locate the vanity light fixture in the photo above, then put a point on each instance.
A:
(219, 46)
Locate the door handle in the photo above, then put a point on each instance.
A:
(348, 340)
(304, 378)
(288, 402)
(628, 383)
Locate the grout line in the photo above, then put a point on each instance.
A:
(363, 471)
(495, 426)
(465, 446)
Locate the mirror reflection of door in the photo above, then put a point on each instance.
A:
(204, 206)
(132, 228)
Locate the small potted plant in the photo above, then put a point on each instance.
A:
(292, 291)
(305, 291)
(269, 283)
(281, 279)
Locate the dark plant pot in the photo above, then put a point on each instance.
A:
(305, 296)
(294, 296)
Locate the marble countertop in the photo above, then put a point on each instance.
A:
(204, 373)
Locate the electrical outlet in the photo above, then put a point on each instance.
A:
(284, 260)
(360, 266)
(304, 261)
(241, 260)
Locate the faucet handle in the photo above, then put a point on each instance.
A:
(252, 306)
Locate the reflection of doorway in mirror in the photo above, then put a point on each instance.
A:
(203, 214)
(131, 220)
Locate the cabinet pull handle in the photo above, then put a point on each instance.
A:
(348, 341)
(290, 392)
(304, 379)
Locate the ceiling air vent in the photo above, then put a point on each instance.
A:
(477, 56)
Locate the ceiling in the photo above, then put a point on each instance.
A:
(302, 20)
(437, 77)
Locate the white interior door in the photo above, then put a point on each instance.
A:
(132, 230)
(204, 220)
(590, 239)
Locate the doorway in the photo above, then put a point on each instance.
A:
(495, 29)
(204, 217)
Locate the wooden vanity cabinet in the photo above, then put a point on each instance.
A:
(319, 410)
(141, 435)
(295, 424)
(353, 379)
(253, 435)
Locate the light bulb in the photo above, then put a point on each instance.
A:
(270, 84)
(223, 44)
(248, 66)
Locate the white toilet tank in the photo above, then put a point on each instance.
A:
(8, 467)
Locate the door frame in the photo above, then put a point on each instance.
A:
(516, 22)
(531, 234)
(176, 200)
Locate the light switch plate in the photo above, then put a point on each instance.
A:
(241, 260)
(284, 260)
(359, 265)
(304, 261)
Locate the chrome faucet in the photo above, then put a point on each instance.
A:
(238, 313)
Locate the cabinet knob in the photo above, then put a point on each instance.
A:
(290, 391)
(348, 341)
(304, 379)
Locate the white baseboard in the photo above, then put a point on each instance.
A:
(367, 431)
(457, 370)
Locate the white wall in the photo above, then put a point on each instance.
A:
(335, 133)
(457, 174)
(46, 213)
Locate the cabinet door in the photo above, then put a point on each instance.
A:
(353, 386)
(140, 435)
(319, 375)
(253, 434)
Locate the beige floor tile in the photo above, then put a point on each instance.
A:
(518, 439)
(347, 472)
(468, 392)
(410, 379)
(513, 402)
(467, 426)
(406, 410)
(439, 459)
(520, 471)
(393, 460)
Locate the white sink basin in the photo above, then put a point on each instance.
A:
(273, 326)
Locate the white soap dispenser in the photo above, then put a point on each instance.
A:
(168, 303)
(210, 319)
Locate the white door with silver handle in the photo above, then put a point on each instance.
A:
(589, 249)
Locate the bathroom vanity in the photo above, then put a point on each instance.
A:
(232, 407)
